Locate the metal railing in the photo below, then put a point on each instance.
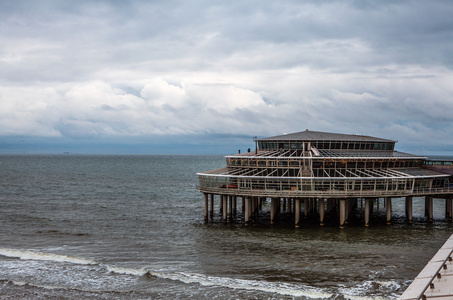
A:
(438, 163)
(234, 190)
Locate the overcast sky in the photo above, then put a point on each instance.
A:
(206, 76)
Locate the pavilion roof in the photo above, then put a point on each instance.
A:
(309, 135)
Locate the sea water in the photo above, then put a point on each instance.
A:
(132, 227)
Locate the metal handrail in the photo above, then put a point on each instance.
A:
(330, 193)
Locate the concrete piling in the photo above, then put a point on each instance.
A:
(230, 207)
(409, 209)
(225, 208)
(206, 209)
(342, 212)
(211, 208)
(274, 205)
(235, 204)
(321, 211)
(297, 213)
(248, 213)
(367, 211)
(429, 208)
(448, 208)
(388, 207)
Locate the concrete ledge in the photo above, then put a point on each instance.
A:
(435, 281)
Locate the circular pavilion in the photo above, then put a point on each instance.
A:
(319, 172)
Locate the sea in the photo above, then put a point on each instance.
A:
(132, 227)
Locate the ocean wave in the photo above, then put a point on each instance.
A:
(287, 289)
(244, 284)
(65, 288)
(356, 292)
(35, 255)
(127, 271)
(225, 282)
(47, 287)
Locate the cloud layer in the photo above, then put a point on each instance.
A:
(109, 69)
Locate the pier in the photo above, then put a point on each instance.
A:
(323, 174)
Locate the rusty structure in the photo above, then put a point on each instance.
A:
(317, 172)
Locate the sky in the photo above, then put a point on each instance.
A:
(206, 76)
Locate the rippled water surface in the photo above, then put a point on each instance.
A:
(131, 227)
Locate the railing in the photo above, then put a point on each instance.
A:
(433, 191)
(234, 190)
(438, 163)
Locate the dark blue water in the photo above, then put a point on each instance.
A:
(131, 227)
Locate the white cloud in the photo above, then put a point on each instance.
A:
(28, 111)
(224, 99)
(159, 92)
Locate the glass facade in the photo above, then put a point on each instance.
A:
(326, 145)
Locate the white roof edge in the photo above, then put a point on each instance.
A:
(323, 178)
(329, 157)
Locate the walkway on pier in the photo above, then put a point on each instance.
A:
(435, 281)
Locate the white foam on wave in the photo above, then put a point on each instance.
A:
(290, 289)
(126, 271)
(357, 292)
(34, 255)
(263, 286)
(64, 288)
(47, 287)
(225, 282)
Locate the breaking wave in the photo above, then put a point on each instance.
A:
(34, 255)
(281, 288)
(232, 283)
(127, 271)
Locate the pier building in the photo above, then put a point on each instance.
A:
(320, 172)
